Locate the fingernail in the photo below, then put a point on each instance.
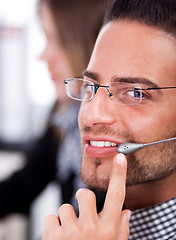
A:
(120, 158)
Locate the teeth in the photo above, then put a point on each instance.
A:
(102, 144)
(114, 144)
(107, 144)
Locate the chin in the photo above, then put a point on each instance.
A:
(95, 174)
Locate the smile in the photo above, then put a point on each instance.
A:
(102, 144)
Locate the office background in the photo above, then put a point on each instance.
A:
(26, 95)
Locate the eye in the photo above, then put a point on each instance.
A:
(137, 93)
(87, 90)
(134, 93)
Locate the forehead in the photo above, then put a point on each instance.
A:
(47, 21)
(125, 48)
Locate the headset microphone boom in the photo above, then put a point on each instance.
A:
(128, 148)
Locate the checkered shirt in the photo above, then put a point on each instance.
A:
(156, 222)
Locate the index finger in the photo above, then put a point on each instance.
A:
(116, 189)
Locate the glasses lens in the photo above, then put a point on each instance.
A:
(120, 93)
(127, 94)
(80, 89)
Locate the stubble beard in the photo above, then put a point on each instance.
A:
(149, 164)
(93, 177)
(152, 163)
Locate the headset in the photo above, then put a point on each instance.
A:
(128, 148)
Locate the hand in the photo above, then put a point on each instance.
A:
(111, 224)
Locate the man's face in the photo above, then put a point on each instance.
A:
(130, 50)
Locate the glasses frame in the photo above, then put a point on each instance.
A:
(157, 88)
(97, 86)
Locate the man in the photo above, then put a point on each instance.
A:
(130, 88)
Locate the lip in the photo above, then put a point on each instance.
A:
(99, 152)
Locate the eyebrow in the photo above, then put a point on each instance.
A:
(144, 81)
(90, 74)
(138, 80)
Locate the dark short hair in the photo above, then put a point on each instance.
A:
(157, 13)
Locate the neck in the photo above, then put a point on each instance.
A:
(149, 194)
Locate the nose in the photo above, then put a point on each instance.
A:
(48, 54)
(98, 111)
(44, 54)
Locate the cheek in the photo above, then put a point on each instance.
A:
(149, 125)
(81, 115)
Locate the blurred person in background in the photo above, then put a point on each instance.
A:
(71, 28)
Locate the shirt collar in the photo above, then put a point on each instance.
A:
(156, 222)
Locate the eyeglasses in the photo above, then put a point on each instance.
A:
(117, 92)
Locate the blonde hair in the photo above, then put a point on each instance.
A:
(78, 23)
